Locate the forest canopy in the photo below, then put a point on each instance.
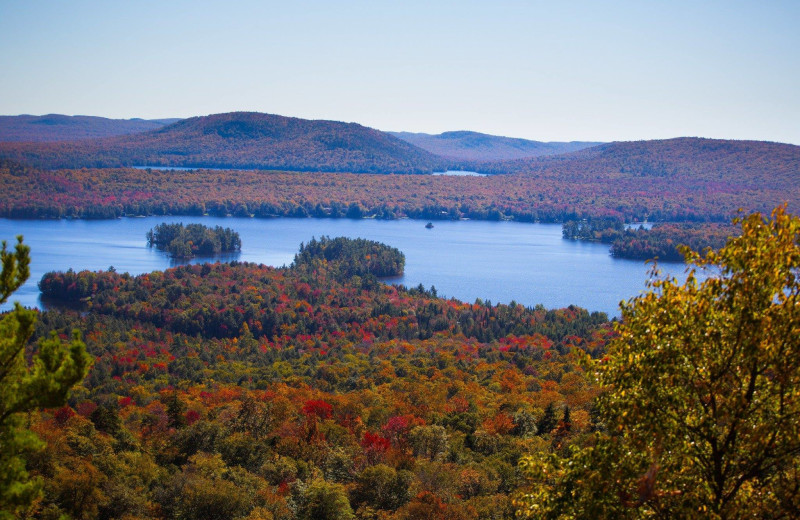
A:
(236, 390)
(677, 180)
(699, 395)
(315, 391)
(193, 240)
(353, 256)
(662, 241)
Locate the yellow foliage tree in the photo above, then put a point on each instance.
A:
(701, 395)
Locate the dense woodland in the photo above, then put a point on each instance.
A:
(593, 230)
(682, 157)
(239, 140)
(568, 190)
(697, 396)
(674, 180)
(243, 391)
(348, 257)
(661, 241)
(57, 127)
(310, 394)
(193, 240)
(468, 148)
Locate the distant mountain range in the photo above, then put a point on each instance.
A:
(245, 140)
(250, 140)
(750, 162)
(476, 147)
(57, 127)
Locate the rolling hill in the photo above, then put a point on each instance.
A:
(676, 180)
(684, 158)
(57, 127)
(478, 147)
(243, 140)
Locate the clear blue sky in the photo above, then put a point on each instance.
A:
(593, 70)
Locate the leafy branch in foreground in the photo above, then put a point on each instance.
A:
(701, 396)
(44, 382)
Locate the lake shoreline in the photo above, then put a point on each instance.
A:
(498, 261)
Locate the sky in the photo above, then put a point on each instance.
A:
(550, 71)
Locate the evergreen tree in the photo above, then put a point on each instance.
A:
(44, 382)
(176, 411)
(566, 421)
(547, 421)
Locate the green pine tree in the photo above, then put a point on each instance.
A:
(44, 382)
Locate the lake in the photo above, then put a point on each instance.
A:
(186, 169)
(461, 173)
(497, 261)
(457, 173)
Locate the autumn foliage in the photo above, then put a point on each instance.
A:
(230, 390)
(699, 395)
(654, 181)
(238, 140)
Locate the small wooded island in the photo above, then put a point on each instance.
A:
(352, 257)
(242, 391)
(193, 240)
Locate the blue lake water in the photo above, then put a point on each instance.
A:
(497, 261)
(185, 169)
(458, 173)
(461, 173)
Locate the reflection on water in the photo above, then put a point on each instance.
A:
(222, 257)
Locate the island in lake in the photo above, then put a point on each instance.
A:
(193, 240)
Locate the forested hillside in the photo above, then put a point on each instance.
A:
(239, 140)
(469, 147)
(549, 195)
(243, 391)
(683, 158)
(57, 127)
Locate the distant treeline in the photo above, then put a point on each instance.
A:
(57, 127)
(193, 240)
(661, 241)
(111, 193)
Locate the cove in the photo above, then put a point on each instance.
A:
(497, 261)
